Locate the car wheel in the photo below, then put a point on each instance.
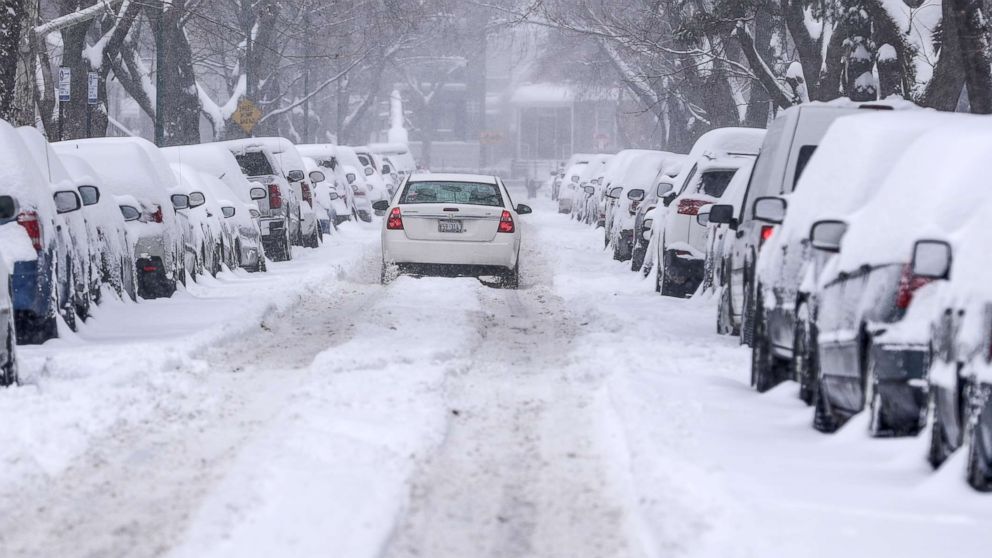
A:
(804, 364)
(766, 369)
(979, 470)
(636, 259)
(823, 419)
(8, 371)
(876, 420)
(724, 313)
(657, 277)
(511, 280)
(747, 316)
(667, 288)
(941, 445)
(68, 310)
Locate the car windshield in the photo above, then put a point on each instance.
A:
(470, 193)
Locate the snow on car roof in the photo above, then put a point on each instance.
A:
(215, 160)
(931, 191)
(49, 164)
(452, 177)
(19, 177)
(642, 169)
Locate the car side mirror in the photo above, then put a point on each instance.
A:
(664, 188)
(179, 201)
(295, 176)
(228, 211)
(8, 208)
(317, 176)
(368, 171)
(827, 235)
(589, 189)
(636, 194)
(130, 213)
(386, 169)
(770, 209)
(257, 193)
(351, 177)
(196, 199)
(932, 259)
(90, 194)
(333, 196)
(381, 205)
(67, 201)
(703, 219)
(722, 214)
(614, 192)
(523, 209)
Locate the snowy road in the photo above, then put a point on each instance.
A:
(313, 412)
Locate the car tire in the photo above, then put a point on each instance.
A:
(747, 316)
(511, 279)
(979, 469)
(941, 446)
(804, 360)
(766, 369)
(823, 419)
(725, 313)
(8, 370)
(657, 277)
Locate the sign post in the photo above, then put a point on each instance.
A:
(65, 93)
(92, 80)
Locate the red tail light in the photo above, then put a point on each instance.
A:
(275, 197)
(506, 222)
(149, 268)
(395, 220)
(690, 207)
(766, 232)
(157, 216)
(908, 284)
(307, 197)
(29, 220)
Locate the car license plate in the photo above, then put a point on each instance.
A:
(449, 226)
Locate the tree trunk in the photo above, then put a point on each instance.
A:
(859, 83)
(944, 88)
(11, 20)
(975, 56)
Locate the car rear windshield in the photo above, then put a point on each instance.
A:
(713, 183)
(471, 193)
(254, 163)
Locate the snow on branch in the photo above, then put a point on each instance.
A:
(75, 18)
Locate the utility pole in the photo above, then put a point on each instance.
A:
(306, 76)
(159, 80)
(249, 21)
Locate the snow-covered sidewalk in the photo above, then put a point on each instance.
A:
(313, 412)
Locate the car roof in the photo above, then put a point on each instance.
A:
(451, 177)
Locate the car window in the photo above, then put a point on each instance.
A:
(688, 179)
(714, 183)
(805, 152)
(470, 193)
(254, 163)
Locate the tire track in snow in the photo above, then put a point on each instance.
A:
(134, 492)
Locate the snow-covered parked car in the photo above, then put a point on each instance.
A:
(960, 372)
(240, 240)
(852, 161)
(628, 189)
(788, 145)
(349, 182)
(326, 205)
(218, 162)
(115, 263)
(361, 202)
(8, 347)
(705, 174)
(461, 224)
(134, 167)
(294, 170)
(82, 249)
(584, 195)
(279, 207)
(367, 175)
(399, 157)
(211, 235)
(869, 354)
(570, 183)
(371, 167)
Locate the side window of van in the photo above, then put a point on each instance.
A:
(805, 152)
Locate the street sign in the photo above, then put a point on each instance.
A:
(91, 87)
(247, 115)
(65, 85)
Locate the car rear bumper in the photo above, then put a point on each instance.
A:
(500, 252)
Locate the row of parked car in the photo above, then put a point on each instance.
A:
(846, 245)
(83, 220)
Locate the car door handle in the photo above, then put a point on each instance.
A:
(739, 234)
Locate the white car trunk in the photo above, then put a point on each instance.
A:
(450, 221)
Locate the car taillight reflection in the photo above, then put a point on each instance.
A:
(307, 196)
(29, 220)
(690, 207)
(157, 216)
(766, 232)
(275, 197)
(908, 285)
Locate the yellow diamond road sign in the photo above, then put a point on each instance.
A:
(247, 115)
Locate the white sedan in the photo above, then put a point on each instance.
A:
(452, 224)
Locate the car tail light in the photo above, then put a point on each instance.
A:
(275, 197)
(148, 268)
(307, 197)
(908, 284)
(766, 232)
(506, 222)
(690, 207)
(157, 216)
(357, 191)
(395, 221)
(29, 220)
